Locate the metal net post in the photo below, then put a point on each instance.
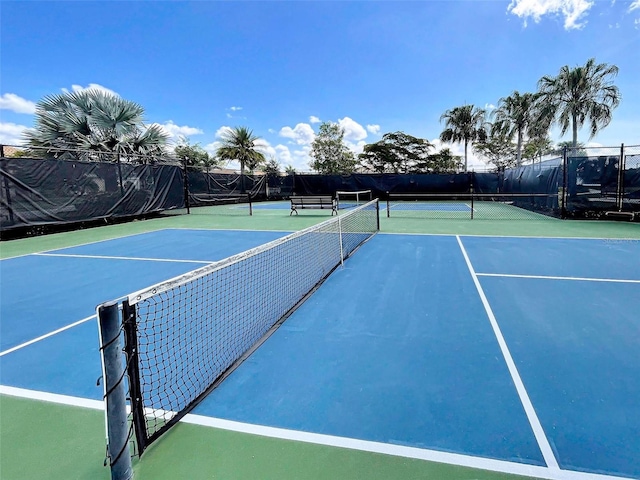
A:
(114, 393)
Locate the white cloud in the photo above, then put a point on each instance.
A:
(11, 101)
(314, 119)
(489, 106)
(353, 131)
(176, 131)
(222, 130)
(634, 5)
(11, 134)
(474, 162)
(301, 134)
(571, 10)
(91, 86)
(375, 129)
(235, 109)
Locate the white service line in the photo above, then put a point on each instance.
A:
(113, 257)
(548, 277)
(47, 335)
(536, 426)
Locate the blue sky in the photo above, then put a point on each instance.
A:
(281, 67)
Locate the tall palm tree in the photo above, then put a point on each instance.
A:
(580, 95)
(464, 124)
(93, 120)
(239, 144)
(515, 115)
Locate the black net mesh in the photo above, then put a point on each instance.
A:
(190, 330)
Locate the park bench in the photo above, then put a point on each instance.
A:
(319, 202)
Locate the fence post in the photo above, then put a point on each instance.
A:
(115, 396)
(185, 176)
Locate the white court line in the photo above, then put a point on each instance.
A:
(109, 257)
(86, 243)
(536, 426)
(548, 277)
(47, 335)
(605, 240)
(482, 463)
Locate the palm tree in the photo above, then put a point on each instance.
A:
(464, 125)
(239, 144)
(515, 116)
(95, 122)
(580, 95)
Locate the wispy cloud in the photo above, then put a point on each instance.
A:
(313, 119)
(11, 101)
(235, 109)
(634, 5)
(572, 10)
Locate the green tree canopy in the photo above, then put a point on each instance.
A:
(398, 152)
(579, 96)
(239, 144)
(330, 154)
(497, 149)
(516, 116)
(93, 120)
(194, 155)
(272, 167)
(464, 125)
(395, 152)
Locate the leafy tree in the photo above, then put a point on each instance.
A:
(329, 152)
(396, 152)
(272, 167)
(516, 115)
(443, 161)
(239, 144)
(465, 125)
(577, 150)
(194, 155)
(93, 121)
(289, 170)
(497, 149)
(536, 147)
(579, 96)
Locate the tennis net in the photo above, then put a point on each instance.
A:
(346, 199)
(184, 336)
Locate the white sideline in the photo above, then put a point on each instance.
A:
(481, 463)
(109, 257)
(536, 426)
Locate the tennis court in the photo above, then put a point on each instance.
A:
(449, 355)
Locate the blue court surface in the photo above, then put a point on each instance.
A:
(521, 350)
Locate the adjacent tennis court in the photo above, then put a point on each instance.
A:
(510, 355)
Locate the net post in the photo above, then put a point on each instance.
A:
(620, 189)
(250, 207)
(115, 397)
(472, 195)
(341, 248)
(388, 206)
(377, 215)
